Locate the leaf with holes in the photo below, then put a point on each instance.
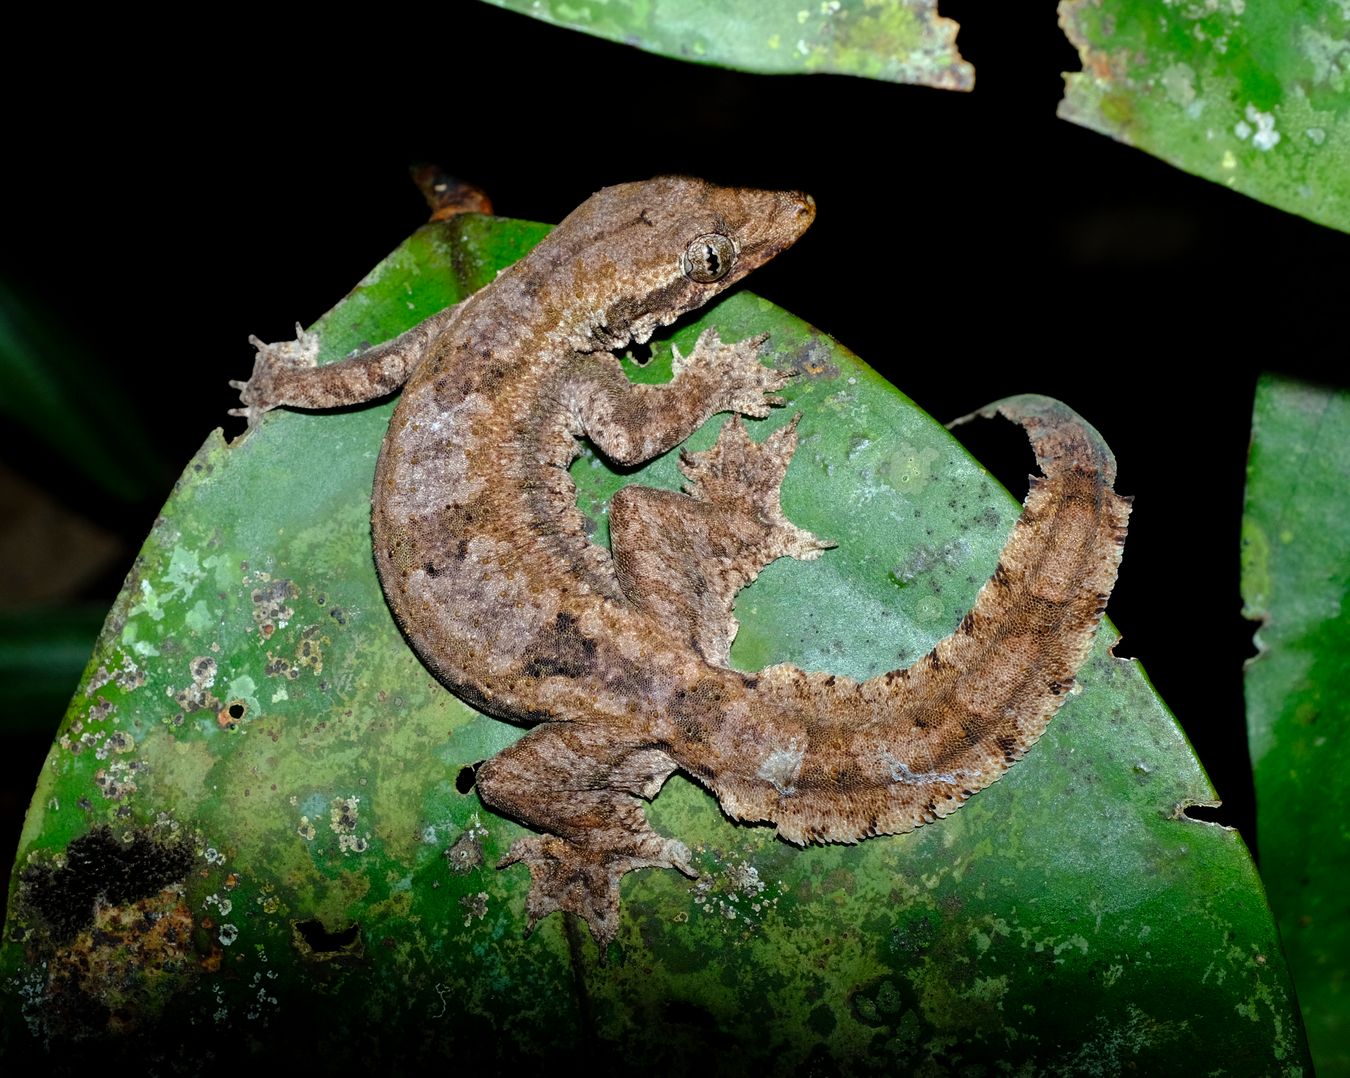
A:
(257, 830)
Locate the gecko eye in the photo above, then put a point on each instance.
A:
(708, 258)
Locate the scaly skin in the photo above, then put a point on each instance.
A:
(621, 659)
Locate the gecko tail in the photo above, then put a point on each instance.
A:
(838, 760)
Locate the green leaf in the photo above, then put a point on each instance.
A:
(42, 653)
(274, 798)
(892, 40)
(1253, 94)
(1296, 582)
(70, 404)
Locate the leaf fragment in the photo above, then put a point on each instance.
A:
(1296, 582)
(891, 40)
(1252, 94)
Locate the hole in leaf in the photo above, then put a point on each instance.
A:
(315, 941)
(1206, 814)
(465, 779)
(1121, 650)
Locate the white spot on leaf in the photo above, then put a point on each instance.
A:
(1266, 136)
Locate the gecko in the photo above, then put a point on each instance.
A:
(618, 659)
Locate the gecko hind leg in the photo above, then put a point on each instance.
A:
(571, 782)
(681, 558)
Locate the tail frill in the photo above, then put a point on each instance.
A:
(830, 759)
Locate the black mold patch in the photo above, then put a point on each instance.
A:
(99, 865)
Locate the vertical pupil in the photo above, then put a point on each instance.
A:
(710, 256)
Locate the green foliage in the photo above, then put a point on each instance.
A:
(252, 711)
(41, 656)
(894, 40)
(1253, 94)
(70, 407)
(1296, 581)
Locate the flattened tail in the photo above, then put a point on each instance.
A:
(829, 759)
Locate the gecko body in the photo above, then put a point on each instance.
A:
(620, 660)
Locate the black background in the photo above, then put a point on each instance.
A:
(167, 199)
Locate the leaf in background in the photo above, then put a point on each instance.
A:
(1254, 94)
(70, 404)
(42, 654)
(257, 829)
(1296, 581)
(892, 40)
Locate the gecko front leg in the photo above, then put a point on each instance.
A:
(633, 423)
(681, 558)
(286, 373)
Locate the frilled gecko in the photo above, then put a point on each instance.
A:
(620, 659)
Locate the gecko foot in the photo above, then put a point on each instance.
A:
(262, 392)
(682, 558)
(585, 879)
(743, 478)
(744, 384)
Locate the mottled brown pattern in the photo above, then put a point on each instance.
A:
(621, 659)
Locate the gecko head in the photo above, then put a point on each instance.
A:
(653, 250)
